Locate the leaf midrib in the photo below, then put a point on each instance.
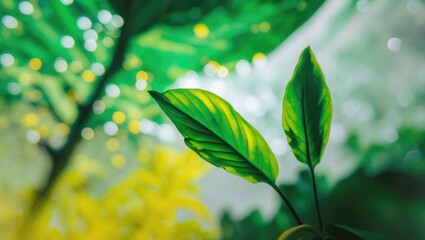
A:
(249, 162)
(307, 145)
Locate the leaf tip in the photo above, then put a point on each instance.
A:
(307, 52)
(154, 94)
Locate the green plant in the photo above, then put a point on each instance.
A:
(221, 136)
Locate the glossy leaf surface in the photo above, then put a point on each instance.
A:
(307, 110)
(212, 128)
(304, 232)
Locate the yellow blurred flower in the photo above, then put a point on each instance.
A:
(149, 203)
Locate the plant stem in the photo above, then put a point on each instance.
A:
(316, 199)
(288, 203)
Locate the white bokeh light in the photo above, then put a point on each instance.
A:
(84, 23)
(414, 6)
(389, 134)
(104, 16)
(98, 69)
(253, 105)
(141, 85)
(98, 107)
(90, 45)
(7, 59)
(60, 65)
(166, 133)
(210, 70)
(147, 126)
(67, 2)
(243, 68)
(110, 128)
(32, 136)
(14, 88)
(112, 91)
(117, 21)
(67, 41)
(394, 44)
(90, 35)
(9, 22)
(26, 8)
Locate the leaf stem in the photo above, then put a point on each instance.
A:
(288, 204)
(316, 199)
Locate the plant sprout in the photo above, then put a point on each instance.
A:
(221, 136)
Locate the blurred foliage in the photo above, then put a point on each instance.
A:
(372, 198)
(61, 51)
(159, 199)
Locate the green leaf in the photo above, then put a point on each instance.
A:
(344, 232)
(215, 131)
(307, 110)
(300, 232)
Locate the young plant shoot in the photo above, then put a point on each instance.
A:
(221, 136)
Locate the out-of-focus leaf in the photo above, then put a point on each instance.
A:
(219, 36)
(253, 226)
(182, 35)
(142, 14)
(307, 110)
(300, 232)
(345, 232)
(214, 130)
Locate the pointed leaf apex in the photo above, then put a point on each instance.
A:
(153, 94)
(307, 53)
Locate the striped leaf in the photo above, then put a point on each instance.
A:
(307, 110)
(216, 132)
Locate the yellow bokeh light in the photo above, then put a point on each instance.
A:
(35, 64)
(264, 26)
(43, 130)
(29, 120)
(108, 42)
(112, 144)
(222, 71)
(132, 62)
(258, 57)
(201, 30)
(142, 75)
(214, 63)
(62, 128)
(118, 117)
(76, 66)
(88, 76)
(24, 79)
(134, 127)
(118, 161)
